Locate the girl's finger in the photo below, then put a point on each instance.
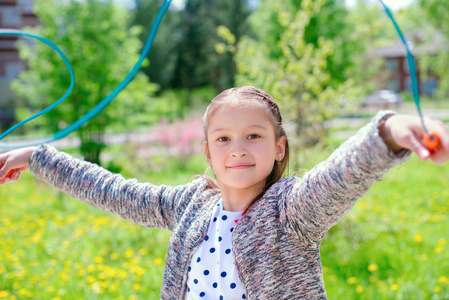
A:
(416, 146)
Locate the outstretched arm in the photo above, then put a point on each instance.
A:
(327, 192)
(142, 203)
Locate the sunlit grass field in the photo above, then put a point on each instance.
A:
(392, 245)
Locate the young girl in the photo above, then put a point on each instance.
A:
(249, 234)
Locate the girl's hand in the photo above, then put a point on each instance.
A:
(401, 131)
(13, 163)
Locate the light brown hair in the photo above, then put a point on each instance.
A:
(255, 96)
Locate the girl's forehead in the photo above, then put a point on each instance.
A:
(235, 110)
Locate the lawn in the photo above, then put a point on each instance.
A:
(392, 245)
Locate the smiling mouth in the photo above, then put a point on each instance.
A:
(240, 166)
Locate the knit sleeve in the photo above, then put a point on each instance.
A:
(142, 203)
(326, 193)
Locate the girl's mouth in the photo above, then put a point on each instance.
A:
(241, 166)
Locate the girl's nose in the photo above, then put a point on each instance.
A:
(238, 150)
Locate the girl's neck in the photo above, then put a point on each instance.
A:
(238, 199)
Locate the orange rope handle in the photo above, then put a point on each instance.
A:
(431, 141)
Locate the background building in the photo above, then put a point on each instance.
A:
(14, 14)
(398, 74)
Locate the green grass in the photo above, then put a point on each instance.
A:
(392, 245)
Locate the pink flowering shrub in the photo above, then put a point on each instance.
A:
(181, 137)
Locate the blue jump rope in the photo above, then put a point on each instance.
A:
(100, 106)
(149, 42)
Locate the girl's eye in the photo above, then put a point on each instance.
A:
(253, 136)
(223, 139)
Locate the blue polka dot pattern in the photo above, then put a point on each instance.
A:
(221, 297)
(212, 271)
(243, 296)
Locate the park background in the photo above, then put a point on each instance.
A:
(318, 59)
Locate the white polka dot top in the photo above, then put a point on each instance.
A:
(212, 272)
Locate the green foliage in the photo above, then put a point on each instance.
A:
(94, 36)
(295, 71)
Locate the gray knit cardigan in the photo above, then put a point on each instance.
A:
(276, 244)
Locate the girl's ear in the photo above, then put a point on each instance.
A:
(280, 151)
(206, 151)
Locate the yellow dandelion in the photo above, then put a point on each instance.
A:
(437, 289)
(64, 277)
(4, 294)
(359, 289)
(114, 256)
(136, 287)
(132, 297)
(23, 292)
(50, 289)
(158, 261)
(81, 273)
(362, 205)
(98, 259)
(442, 242)
(373, 268)
(122, 274)
(102, 276)
(90, 279)
(352, 280)
(394, 287)
(443, 279)
(438, 249)
(143, 251)
(90, 268)
(418, 238)
(128, 253)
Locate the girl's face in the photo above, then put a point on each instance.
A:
(241, 147)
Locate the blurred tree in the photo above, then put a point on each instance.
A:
(94, 36)
(298, 68)
(437, 13)
(163, 55)
(198, 63)
(332, 22)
